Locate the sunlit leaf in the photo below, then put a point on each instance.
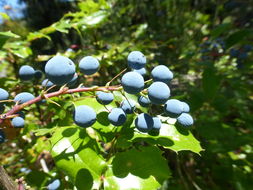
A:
(143, 168)
(76, 154)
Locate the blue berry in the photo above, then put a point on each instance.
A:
(162, 73)
(234, 52)
(60, 70)
(38, 74)
(23, 97)
(141, 71)
(144, 101)
(54, 185)
(173, 108)
(144, 122)
(157, 123)
(158, 92)
(185, 120)
(132, 82)
(4, 95)
(117, 117)
(26, 72)
(242, 55)
(89, 65)
(186, 107)
(18, 122)
(47, 83)
(2, 136)
(104, 97)
(247, 48)
(84, 116)
(136, 60)
(128, 106)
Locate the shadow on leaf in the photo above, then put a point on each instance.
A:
(83, 180)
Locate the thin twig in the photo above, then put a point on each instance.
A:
(19, 107)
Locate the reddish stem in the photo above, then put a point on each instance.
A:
(17, 107)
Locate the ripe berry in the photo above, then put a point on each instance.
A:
(60, 70)
(157, 123)
(132, 82)
(141, 71)
(136, 60)
(104, 97)
(54, 185)
(23, 97)
(2, 136)
(144, 101)
(144, 122)
(162, 73)
(89, 65)
(117, 117)
(173, 108)
(234, 52)
(38, 74)
(18, 122)
(158, 93)
(128, 106)
(26, 72)
(4, 95)
(84, 116)
(185, 120)
(47, 83)
(186, 107)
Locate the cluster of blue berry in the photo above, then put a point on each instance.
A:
(240, 54)
(60, 70)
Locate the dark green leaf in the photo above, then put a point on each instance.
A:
(237, 37)
(137, 169)
(78, 155)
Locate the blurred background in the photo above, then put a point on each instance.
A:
(207, 44)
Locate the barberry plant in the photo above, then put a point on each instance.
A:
(116, 132)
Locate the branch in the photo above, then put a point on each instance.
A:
(6, 183)
(62, 91)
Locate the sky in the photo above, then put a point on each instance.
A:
(15, 10)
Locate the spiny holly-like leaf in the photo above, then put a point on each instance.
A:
(4, 36)
(142, 168)
(42, 132)
(171, 137)
(78, 155)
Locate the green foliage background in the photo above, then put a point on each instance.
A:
(168, 32)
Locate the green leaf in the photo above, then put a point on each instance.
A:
(42, 132)
(22, 52)
(211, 82)
(37, 35)
(220, 29)
(237, 37)
(78, 155)
(4, 36)
(137, 169)
(5, 16)
(37, 178)
(171, 137)
(9, 34)
(62, 26)
(94, 19)
(19, 48)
